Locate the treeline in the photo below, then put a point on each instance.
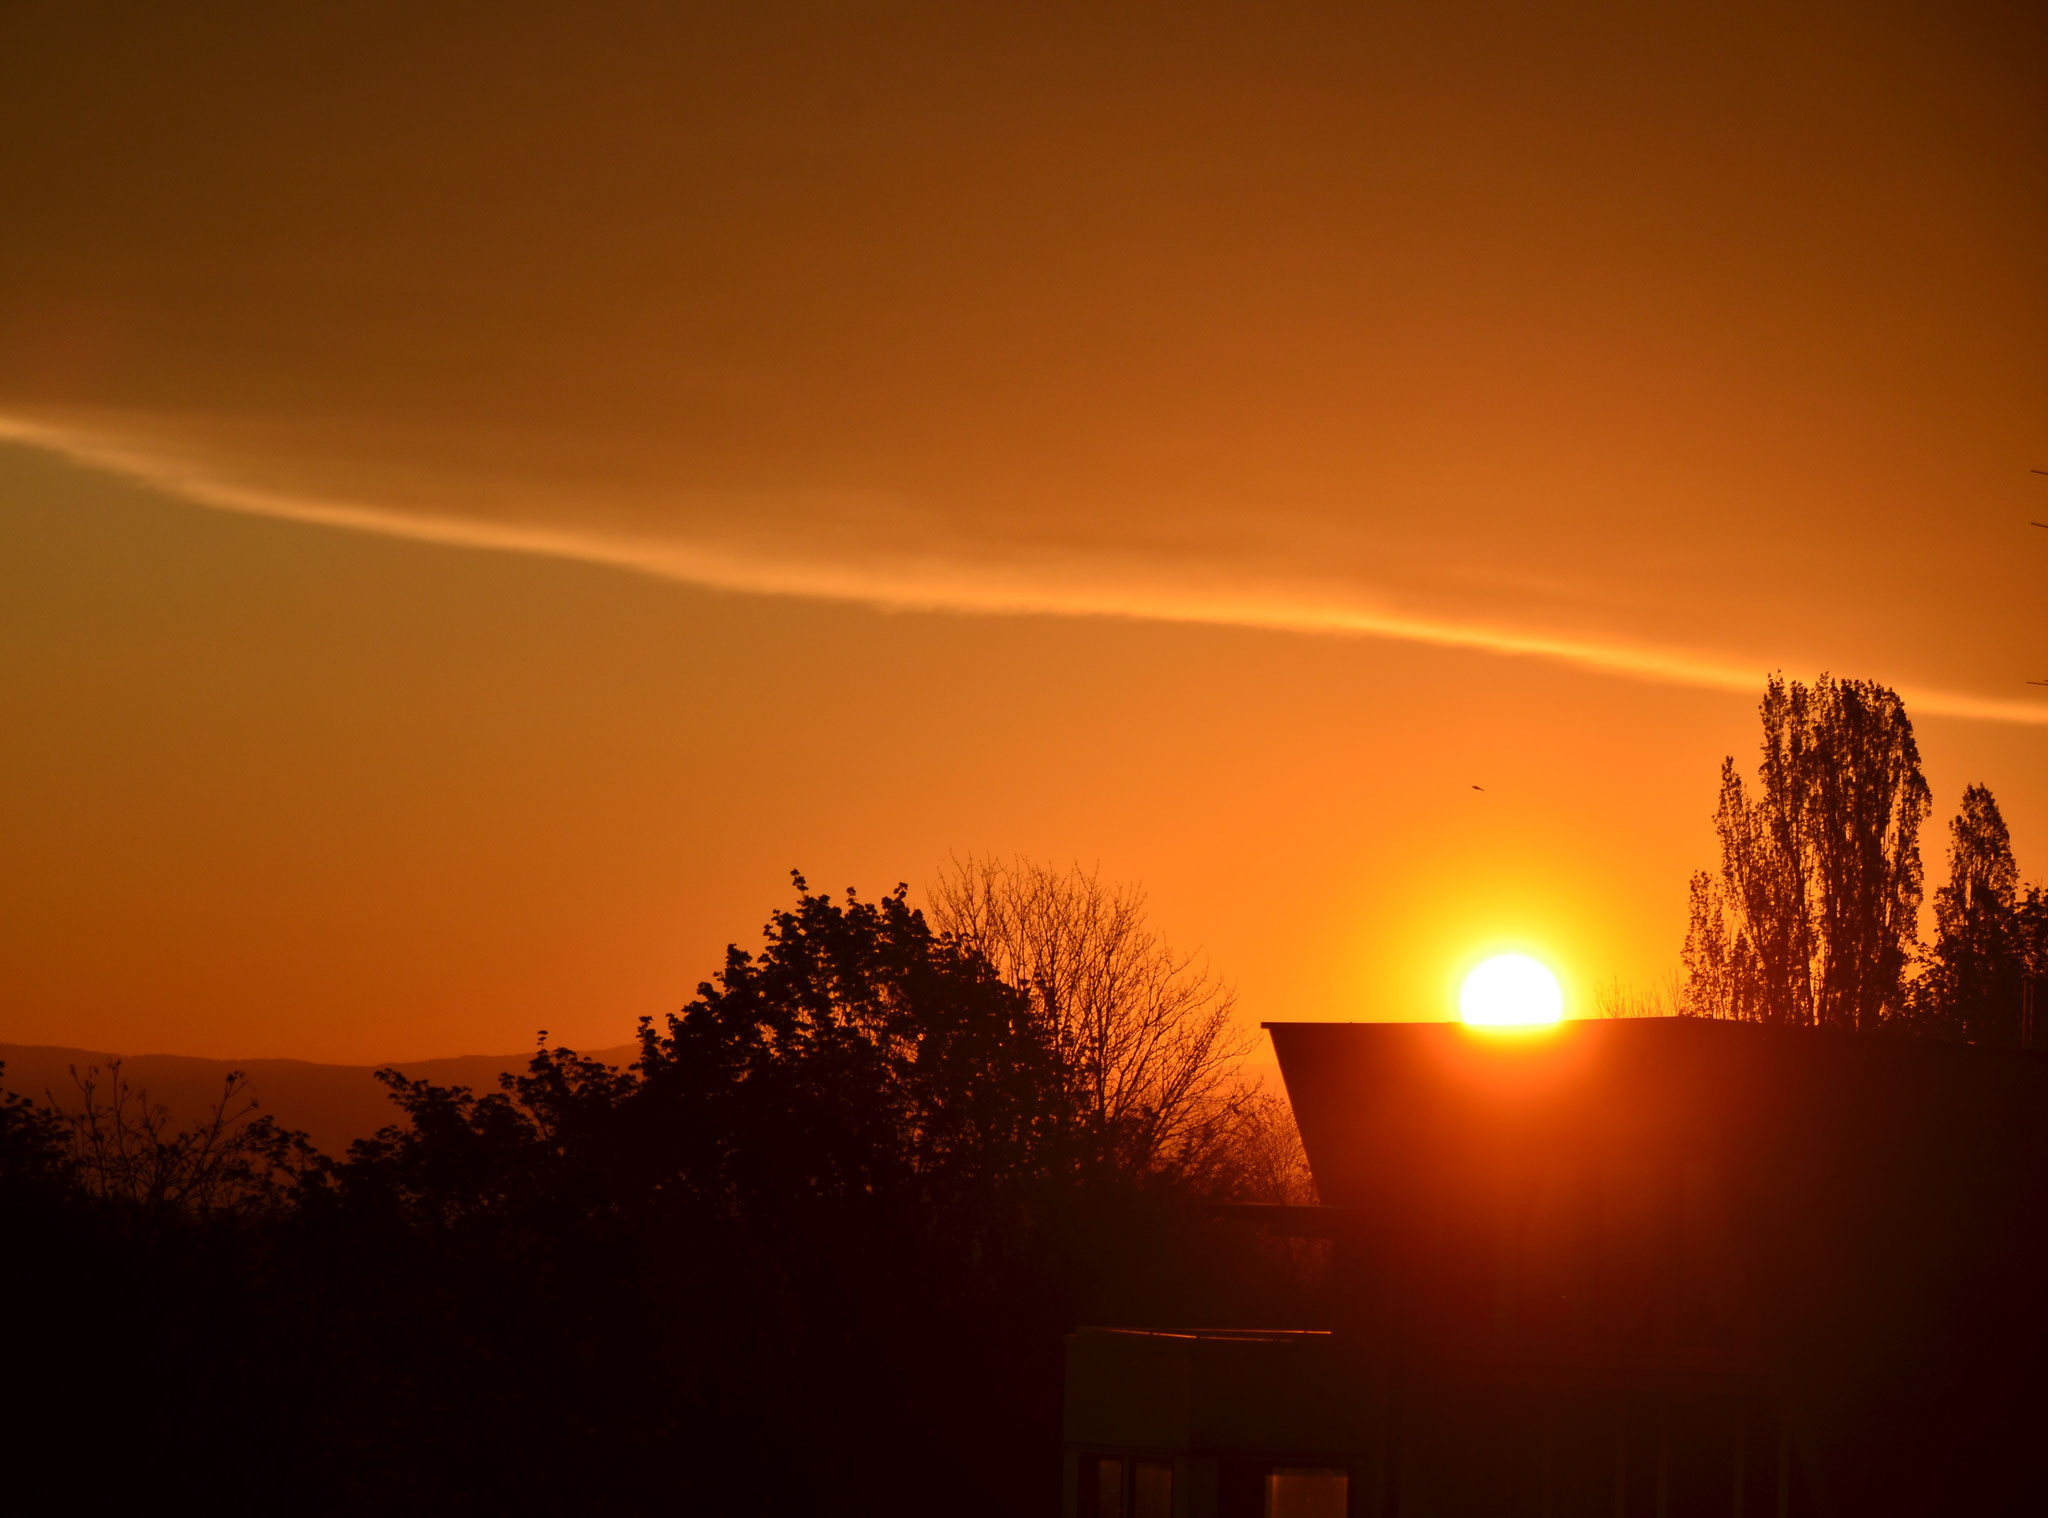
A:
(814, 1250)
(1814, 917)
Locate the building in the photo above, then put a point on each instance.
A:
(1657, 1266)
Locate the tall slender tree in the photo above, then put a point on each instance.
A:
(1972, 980)
(1812, 919)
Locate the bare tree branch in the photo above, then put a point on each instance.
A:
(1146, 1037)
(125, 1152)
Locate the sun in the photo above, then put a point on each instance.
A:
(1511, 991)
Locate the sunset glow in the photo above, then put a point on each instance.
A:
(946, 704)
(871, 393)
(1511, 991)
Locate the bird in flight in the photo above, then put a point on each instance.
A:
(1478, 787)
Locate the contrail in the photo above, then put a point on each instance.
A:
(959, 587)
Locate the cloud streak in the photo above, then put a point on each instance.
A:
(1075, 585)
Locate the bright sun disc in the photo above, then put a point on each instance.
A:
(1511, 991)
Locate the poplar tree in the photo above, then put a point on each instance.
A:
(1812, 918)
(1973, 979)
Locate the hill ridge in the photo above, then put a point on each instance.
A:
(333, 1103)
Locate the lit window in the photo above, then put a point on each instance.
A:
(1302, 1491)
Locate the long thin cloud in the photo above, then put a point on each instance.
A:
(1079, 589)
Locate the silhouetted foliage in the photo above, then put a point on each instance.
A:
(1990, 936)
(32, 1149)
(870, 1058)
(814, 1250)
(125, 1151)
(1812, 919)
(1144, 1040)
(1611, 998)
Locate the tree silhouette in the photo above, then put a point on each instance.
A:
(32, 1146)
(1972, 985)
(125, 1151)
(1144, 1038)
(814, 1249)
(1812, 919)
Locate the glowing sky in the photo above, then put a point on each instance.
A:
(1207, 442)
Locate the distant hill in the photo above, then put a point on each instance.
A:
(333, 1104)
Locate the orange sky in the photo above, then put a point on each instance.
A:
(660, 451)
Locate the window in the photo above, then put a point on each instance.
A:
(1102, 1488)
(1306, 1491)
(1113, 1486)
(1152, 1489)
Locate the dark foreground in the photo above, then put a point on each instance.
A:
(816, 1251)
